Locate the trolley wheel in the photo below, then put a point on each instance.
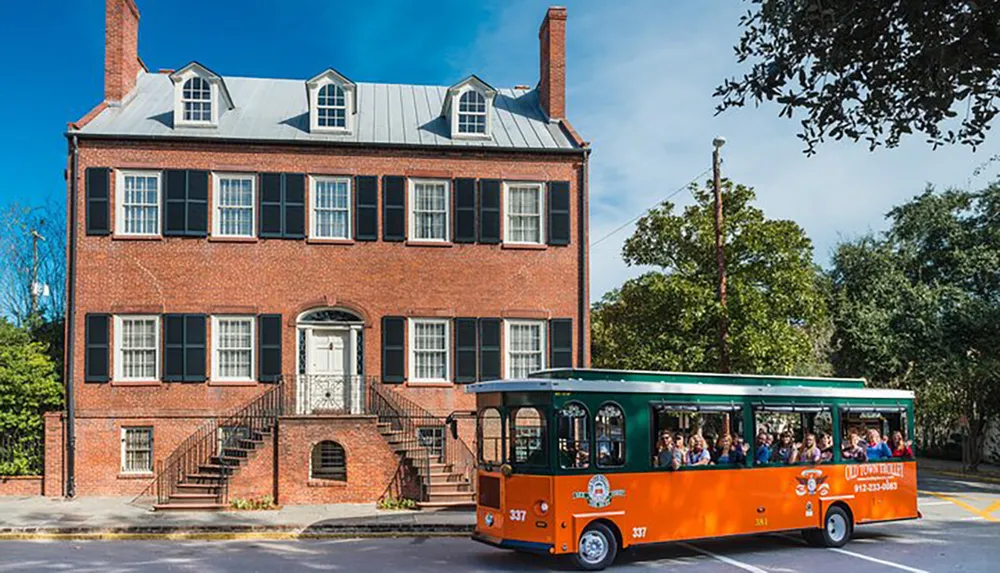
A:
(597, 548)
(836, 531)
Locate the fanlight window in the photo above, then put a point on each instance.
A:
(328, 462)
(331, 107)
(196, 97)
(472, 113)
(609, 424)
(330, 315)
(574, 440)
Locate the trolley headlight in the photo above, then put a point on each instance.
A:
(489, 520)
(541, 507)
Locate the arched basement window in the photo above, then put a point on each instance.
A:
(328, 461)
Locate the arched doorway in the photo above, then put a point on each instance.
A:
(330, 362)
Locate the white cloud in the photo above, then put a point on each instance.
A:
(640, 77)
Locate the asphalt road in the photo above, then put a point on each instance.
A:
(960, 532)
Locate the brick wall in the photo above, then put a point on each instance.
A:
(370, 463)
(55, 453)
(256, 477)
(121, 48)
(20, 485)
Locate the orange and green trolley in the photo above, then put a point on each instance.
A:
(573, 462)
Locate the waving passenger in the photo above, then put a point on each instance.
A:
(697, 452)
(877, 449)
(763, 453)
(900, 447)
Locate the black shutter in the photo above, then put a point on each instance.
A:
(558, 212)
(489, 348)
(97, 190)
(173, 347)
(194, 348)
(184, 348)
(295, 206)
(561, 343)
(393, 349)
(366, 208)
(269, 347)
(197, 204)
(393, 208)
(465, 210)
(97, 346)
(175, 202)
(489, 211)
(466, 349)
(270, 205)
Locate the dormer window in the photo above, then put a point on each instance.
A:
(197, 100)
(472, 113)
(331, 107)
(200, 96)
(332, 103)
(468, 106)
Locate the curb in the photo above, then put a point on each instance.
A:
(985, 478)
(235, 533)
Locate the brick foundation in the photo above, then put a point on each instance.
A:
(20, 485)
(370, 463)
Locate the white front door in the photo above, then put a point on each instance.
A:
(327, 384)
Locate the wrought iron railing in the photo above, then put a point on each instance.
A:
(328, 394)
(22, 453)
(209, 454)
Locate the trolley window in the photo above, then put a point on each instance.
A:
(793, 434)
(528, 437)
(694, 435)
(574, 439)
(490, 437)
(873, 433)
(609, 427)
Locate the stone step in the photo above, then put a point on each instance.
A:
(216, 469)
(451, 496)
(190, 506)
(445, 504)
(226, 460)
(204, 476)
(198, 487)
(445, 477)
(193, 498)
(449, 486)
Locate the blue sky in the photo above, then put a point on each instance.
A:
(640, 75)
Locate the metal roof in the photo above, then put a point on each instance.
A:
(277, 110)
(695, 377)
(617, 386)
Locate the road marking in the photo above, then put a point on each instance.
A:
(985, 514)
(879, 561)
(993, 507)
(932, 503)
(724, 559)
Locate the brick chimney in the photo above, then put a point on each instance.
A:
(121, 49)
(552, 80)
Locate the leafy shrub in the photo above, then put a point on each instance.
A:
(256, 503)
(395, 503)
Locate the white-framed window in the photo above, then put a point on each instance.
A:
(524, 208)
(472, 113)
(137, 347)
(430, 210)
(137, 200)
(331, 107)
(196, 100)
(525, 342)
(430, 351)
(234, 197)
(137, 450)
(330, 206)
(233, 347)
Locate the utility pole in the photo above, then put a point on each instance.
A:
(36, 290)
(720, 254)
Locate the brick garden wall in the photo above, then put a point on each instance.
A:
(370, 463)
(20, 485)
(256, 477)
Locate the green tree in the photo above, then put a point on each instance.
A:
(29, 387)
(873, 70)
(667, 319)
(920, 307)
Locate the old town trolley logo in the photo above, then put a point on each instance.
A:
(599, 493)
(811, 482)
(880, 476)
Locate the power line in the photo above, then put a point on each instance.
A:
(648, 209)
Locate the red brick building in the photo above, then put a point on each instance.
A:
(279, 287)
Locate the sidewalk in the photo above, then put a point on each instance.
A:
(112, 517)
(987, 472)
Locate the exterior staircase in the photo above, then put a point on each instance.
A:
(442, 485)
(444, 480)
(196, 475)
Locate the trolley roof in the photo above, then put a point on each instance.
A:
(638, 382)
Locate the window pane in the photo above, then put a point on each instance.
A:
(331, 209)
(430, 349)
(137, 453)
(235, 347)
(609, 424)
(140, 204)
(529, 437)
(524, 349)
(235, 206)
(491, 436)
(430, 211)
(138, 352)
(574, 442)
